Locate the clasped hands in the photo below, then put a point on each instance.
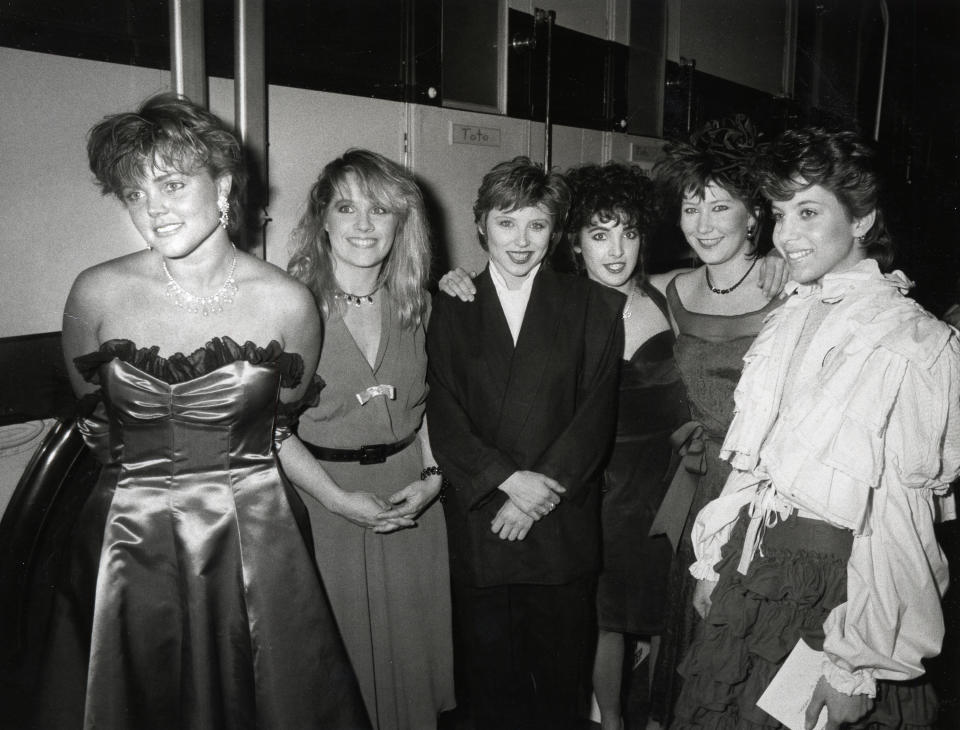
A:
(533, 496)
(398, 511)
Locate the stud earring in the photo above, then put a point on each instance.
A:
(224, 206)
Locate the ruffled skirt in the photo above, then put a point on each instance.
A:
(755, 621)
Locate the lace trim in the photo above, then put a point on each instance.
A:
(180, 368)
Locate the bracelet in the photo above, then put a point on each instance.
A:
(436, 471)
(431, 471)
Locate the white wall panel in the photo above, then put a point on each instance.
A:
(53, 222)
(306, 130)
(451, 172)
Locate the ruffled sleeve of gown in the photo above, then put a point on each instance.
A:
(897, 574)
(288, 413)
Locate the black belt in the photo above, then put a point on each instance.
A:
(369, 454)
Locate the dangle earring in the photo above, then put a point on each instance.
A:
(224, 205)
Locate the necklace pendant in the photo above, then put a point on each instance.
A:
(355, 299)
(627, 313)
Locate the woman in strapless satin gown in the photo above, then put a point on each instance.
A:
(192, 599)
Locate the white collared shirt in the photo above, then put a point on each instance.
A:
(513, 301)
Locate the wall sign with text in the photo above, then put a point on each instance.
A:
(467, 134)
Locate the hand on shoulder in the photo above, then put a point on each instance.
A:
(458, 283)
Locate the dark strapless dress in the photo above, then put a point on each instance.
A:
(632, 585)
(192, 599)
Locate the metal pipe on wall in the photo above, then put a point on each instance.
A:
(550, 17)
(250, 114)
(188, 74)
(885, 14)
(528, 43)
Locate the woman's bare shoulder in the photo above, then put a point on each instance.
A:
(281, 304)
(660, 281)
(123, 266)
(272, 281)
(108, 279)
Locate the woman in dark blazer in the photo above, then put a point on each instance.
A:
(522, 411)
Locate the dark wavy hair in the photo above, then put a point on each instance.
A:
(613, 191)
(521, 183)
(842, 163)
(723, 152)
(167, 132)
(404, 273)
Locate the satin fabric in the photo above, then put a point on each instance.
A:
(209, 612)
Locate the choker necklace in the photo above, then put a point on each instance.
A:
(206, 306)
(354, 299)
(729, 289)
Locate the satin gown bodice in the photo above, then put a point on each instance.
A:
(208, 610)
(219, 422)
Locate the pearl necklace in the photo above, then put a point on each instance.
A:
(206, 306)
(729, 289)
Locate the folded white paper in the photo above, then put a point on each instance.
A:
(788, 694)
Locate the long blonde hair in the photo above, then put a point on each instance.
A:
(404, 272)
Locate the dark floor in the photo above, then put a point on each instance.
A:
(635, 706)
(944, 671)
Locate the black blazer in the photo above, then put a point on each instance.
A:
(548, 405)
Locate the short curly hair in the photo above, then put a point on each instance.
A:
(839, 161)
(170, 132)
(613, 191)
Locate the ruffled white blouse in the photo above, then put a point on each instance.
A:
(867, 438)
